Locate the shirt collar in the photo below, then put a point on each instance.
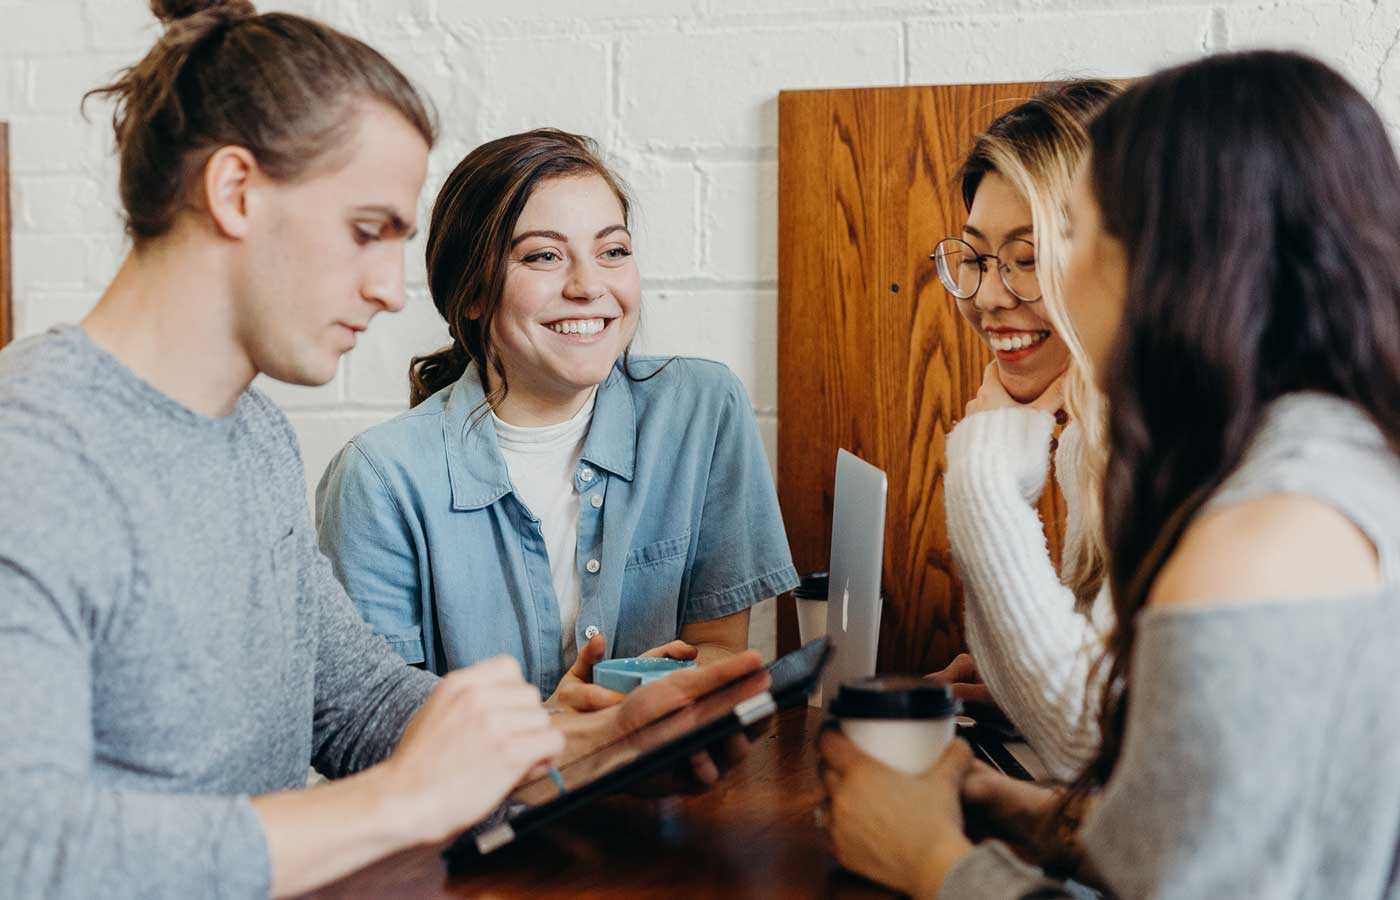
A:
(612, 438)
(478, 471)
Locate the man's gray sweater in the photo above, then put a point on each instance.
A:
(172, 642)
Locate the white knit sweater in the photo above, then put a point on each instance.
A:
(1034, 651)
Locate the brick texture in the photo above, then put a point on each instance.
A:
(682, 94)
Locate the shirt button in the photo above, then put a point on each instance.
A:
(593, 566)
(596, 501)
(586, 474)
(591, 632)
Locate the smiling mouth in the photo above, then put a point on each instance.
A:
(579, 329)
(1016, 341)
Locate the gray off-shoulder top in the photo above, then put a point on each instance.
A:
(1262, 754)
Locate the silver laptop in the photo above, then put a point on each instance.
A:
(857, 548)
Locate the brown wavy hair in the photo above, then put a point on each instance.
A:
(469, 238)
(1257, 197)
(284, 87)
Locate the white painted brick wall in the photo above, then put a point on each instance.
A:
(740, 227)
(682, 94)
(665, 214)
(1063, 44)
(717, 90)
(31, 27)
(378, 366)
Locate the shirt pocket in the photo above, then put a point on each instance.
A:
(651, 577)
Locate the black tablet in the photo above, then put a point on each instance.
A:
(654, 748)
(989, 745)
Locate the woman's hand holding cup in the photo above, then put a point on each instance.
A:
(902, 830)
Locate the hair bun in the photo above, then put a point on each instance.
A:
(171, 11)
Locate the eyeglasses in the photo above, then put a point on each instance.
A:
(960, 268)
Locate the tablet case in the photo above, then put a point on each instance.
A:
(792, 678)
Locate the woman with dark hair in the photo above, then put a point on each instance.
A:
(549, 495)
(1235, 276)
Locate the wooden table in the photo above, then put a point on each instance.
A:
(753, 835)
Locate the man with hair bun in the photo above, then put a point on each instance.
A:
(176, 649)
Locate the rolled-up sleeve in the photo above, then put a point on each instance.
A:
(373, 550)
(741, 549)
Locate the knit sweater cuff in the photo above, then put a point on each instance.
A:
(1014, 439)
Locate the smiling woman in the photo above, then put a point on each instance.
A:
(1034, 631)
(559, 327)
(550, 495)
(991, 274)
(490, 207)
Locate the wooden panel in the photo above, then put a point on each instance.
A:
(804, 252)
(872, 353)
(7, 331)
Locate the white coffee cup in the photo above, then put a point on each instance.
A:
(811, 620)
(904, 722)
(810, 597)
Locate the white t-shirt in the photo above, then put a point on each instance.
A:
(541, 462)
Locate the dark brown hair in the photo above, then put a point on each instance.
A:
(1257, 197)
(281, 86)
(469, 241)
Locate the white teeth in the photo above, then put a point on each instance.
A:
(1008, 343)
(578, 326)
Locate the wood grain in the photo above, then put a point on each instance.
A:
(872, 354)
(753, 835)
(7, 322)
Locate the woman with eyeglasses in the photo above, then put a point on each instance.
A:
(1235, 276)
(1033, 631)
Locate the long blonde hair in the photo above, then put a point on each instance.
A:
(1037, 146)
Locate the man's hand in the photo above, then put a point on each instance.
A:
(576, 691)
(481, 731)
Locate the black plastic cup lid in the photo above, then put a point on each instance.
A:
(894, 697)
(813, 586)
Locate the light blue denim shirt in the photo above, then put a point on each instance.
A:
(421, 522)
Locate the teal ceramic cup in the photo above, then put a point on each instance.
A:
(622, 675)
